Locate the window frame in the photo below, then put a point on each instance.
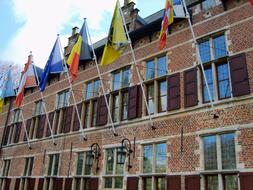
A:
(53, 167)
(93, 84)
(121, 83)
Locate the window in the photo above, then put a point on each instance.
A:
(156, 67)
(16, 117)
(223, 81)
(154, 163)
(92, 89)
(94, 112)
(162, 99)
(115, 108)
(87, 115)
(90, 113)
(209, 78)
(5, 168)
(27, 173)
(53, 164)
(121, 79)
(113, 178)
(81, 167)
(63, 99)
(124, 106)
(151, 98)
(207, 4)
(38, 108)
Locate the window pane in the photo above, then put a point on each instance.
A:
(231, 182)
(56, 164)
(204, 50)
(223, 80)
(30, 167)
(147, 158)
(119, 167)
(207, 4)
(66, 98)
(228, 151)
(96, 87)
(147, 183)
(116, 81)
(162, 96)
(161, 156)
(162, 66)
(126, 78)
(212, 183)
(50, 163)
(94, 113)
(108, 182)
(109, 161)
(220, 49)
(87, 169)
(125, 106)
(115, 108)
(150, 70)
(78, 183)
(87, 117)
(209, 78)
(210, 153)
(26, 166)
(160, 183)
(151, 98)
(79, 166)
(118, 182)
(89, 90)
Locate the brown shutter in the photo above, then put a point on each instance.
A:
(139, 107)
(17, 183)
(239, 75)
(40, 184)
(93, 184)
(174, 182)
(132, 183)
(7, 184)
(102, 112)
(246, 181)
(173, 98)
(57, 183)
(51, 120)
(68, 183)
(76, 126)
(6, 134)
(67, 119)
(132, 102)
(192, 182)
(41, 126)
(190, 88)
(28, 125)
(17, 133)
(30, 183)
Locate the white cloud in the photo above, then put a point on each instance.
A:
(44, 19)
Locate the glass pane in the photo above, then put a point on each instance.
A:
(125, 106)
(147, 158)
(115, 113)
(109, 161)
(209, 78)
(126, 78)
(79, 166)
(160, 184)
(147, 183)
(60, 100)
(163, 96)
(210, 153)
(220, 49)
(56, 164)
(108, 182)
(228, 151)
(119, 167)
(66, 98)
(161, 157)
(151, 98)
(87, 169)
(78, 184)
(26, 166)
(212, 183)
(150, 70)
(30, 167)
(96, 87)
(162, 66)
(89, 90)
(118, 182)
(207, 4)
(204, 50)
(231, 182)
(87, 116)
(50, 163)
(94, 113)
(223, 79)
(116, 81)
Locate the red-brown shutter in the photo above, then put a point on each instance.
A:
(139, 106)
(17, 183)
(192, 182)
(76, 126)
(41, 126)
(68, 183)
(132, 111)
(58, 182)
(246, 181)
(6, 134)
(67, 120)
(28, 125)
(174, 182)
(190, 88)
(40, 184)
(239, 75)
(30, 183)
(173, 98)
(17, 133)
(7, 184)
(51, 120)
(93, 184)
(132, 183)
(102, 112)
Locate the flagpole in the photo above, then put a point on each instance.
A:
(44, 106)
(100, 77)
(73, 95)
(137, 69)
(199, 58)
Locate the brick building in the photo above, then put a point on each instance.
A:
(192, 147)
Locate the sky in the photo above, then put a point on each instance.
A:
(33, 25)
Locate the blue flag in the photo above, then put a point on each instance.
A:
(54, 64)
(7, 85)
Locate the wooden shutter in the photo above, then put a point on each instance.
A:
(190, 88)
(6, 134)
(41, 126)
(134, 102)
(40, 184)
(173, 98)
(93, 184)
(239, 75)
(57, 183)
(17, 183)
(76, 126)
(51, 120)
(139, 107)
(102, 112)
(246, 181)
(28, 125)
(174, 182)
(132, 183)
(7, 184)
(67, 119)
(68, 183)
(192, 182)
(30, 183)
(17, 133)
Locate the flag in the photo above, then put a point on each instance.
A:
(168, 19)
(54, 64)
(178, 9)
(80, 51)
(116, 41)
(27, 79)
(251, 1)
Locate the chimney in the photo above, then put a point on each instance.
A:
(74, 30)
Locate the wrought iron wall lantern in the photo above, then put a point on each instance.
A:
(93, 155)
(125, 151)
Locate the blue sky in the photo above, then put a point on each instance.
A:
(32, 25)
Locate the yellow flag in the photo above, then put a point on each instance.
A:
(117, 40)
(1, 105)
